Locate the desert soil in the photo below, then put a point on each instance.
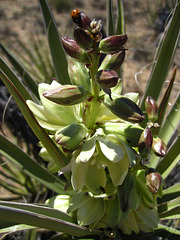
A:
(22, 19)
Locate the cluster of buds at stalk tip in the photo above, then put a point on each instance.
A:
(88, 40)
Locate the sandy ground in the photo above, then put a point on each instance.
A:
(22, 19)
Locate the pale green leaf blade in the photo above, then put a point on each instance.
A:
(19, 227)
(170, 212)
(168, 232)
(120, 26)
(58, 157)
(163, 58)
(31, 84)
(167, 206)
(165, 100)
(20, 216)
(171, 122)
(56, 49)
(50, 212)
(168, 128)
(14, 79)
(110, 18)
(30, 166)
(170, 193)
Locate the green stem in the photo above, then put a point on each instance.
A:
(94, 104)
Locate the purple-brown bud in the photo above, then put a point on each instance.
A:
(67, 95)
(153, 180)
(84, 21)
(145, 142)
(107, 78)
(113, 61)
(83, 38)
(124, 108)
(159, 147)
(72, 49)
(151, 109)
(112, 44)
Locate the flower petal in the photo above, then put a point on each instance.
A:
(87, 150)
(44, 118)
(91, 212)
(104, 114)
(79, 172)
(111, 147)
(118, 171)
(95, 179)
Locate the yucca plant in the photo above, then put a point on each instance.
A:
(112, 153)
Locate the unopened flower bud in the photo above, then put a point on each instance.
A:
(129, 133)
(84, 21)
(70, 137)
(78, 74)
(107, 78)
(113, 61)
(96, 30)
(112, 44)
(67, 95)
(145, 142)
(124, 108)
(72, 49)
(151, 109)
(159, 147)
(83, 38)
(153, 180)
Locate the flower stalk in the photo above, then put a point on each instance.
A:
(99, 131)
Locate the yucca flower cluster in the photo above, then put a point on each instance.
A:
(98, 130)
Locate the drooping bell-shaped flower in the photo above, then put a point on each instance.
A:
(53, 116)
(98, 153)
